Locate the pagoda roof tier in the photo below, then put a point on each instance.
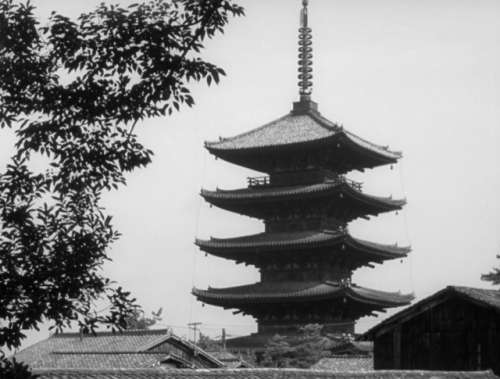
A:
(300, 291)
(256, 201)
(249, 248)
(300, 131)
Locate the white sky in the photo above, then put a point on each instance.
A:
(420, 76)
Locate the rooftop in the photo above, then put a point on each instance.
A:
(293, 129)
(296, 291)
(345, 363)
(265, 373)
(262, 193)
(271, 241)
(484, 297)
(126, 349)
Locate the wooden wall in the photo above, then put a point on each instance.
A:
(455, 335)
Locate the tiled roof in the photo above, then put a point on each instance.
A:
(100, 360)
(489, 297)
(315, 237)
(263, 373)
(485, 297)
(262, 193)
(345, 363)
(294, 129)
(272, 239)
(284, 291)
(121, 349)
(127, 341)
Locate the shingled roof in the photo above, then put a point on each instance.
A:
(297, 291)
(265, 373)
(483, 297)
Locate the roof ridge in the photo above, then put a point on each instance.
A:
(112, 333)
(107, 352)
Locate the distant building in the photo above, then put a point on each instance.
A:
(306, 255)
(120, 350)
(458, 328)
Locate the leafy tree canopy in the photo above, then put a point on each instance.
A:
(137, 321)
(311, 347)
(277, 353)
(493, 276)
(208, 344)
(74, 91)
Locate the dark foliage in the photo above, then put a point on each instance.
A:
(208, 344)
(311, 347)
(493, 276)
(137, 321)
(277, 353)
(74, 92)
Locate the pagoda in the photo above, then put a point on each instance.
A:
(306, 255)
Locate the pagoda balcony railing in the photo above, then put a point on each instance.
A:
(311, 177)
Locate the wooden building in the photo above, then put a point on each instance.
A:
(457, 328)
(129, 349)
(306, 255)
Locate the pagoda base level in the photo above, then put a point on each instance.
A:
(337, 328)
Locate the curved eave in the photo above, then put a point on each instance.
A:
(293, 132)
(235, 248)
(358, 294)
(245, 201)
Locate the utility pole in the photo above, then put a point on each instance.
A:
(194, 326)
(223, 339)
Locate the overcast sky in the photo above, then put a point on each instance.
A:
(421, 76)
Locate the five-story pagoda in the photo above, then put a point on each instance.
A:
(306, 255)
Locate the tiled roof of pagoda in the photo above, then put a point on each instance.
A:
(270, 241)
(295, 291)
(262, 193)
(293, 129)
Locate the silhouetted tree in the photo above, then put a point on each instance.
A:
(493, 276)
(119, 67)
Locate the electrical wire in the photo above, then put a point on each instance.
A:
(195, 255)
(406, 224)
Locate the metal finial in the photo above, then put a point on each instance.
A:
(305, 53)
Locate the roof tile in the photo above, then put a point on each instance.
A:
(345, 363)
(264, 373)
(295, 129)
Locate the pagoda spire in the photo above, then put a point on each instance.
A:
(305, 65)
(305, 55)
